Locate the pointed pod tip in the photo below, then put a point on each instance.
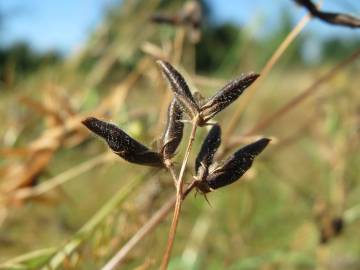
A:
(265, 141)
(260, 145)
(161, 62)
(94, 124)
(89, 122)
(252, 76)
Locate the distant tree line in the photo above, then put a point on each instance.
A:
(20, 60)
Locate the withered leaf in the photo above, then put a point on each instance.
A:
(207, 152)
(173, 131)
(122, 144)
(180, 89)
(225, 96)
(236, 165)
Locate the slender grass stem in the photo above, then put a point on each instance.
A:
(179, 198)
(171, 169)
(315, 86)
(233, 123)
(140, 234)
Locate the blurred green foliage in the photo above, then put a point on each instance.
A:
(20, 59)
(264, 222)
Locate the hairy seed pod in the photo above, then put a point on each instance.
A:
(225, 96)
(208, 149)
(173, 131)
(236, 165)
(122, 144)
(180, 89)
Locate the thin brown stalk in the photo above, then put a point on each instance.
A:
(179, 45)
(147, 228)
(171, 169)
(303, 95)
(264, 72)
(26, 193)
(179, 198)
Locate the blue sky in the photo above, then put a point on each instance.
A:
(65, 24)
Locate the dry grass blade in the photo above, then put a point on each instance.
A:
(122, 144)
(88, 229)
(330, 17)
(60, 179)
(303, 95)
(41, 108)
(147, 228)
(25, 174)
(264, 73)
(190, 15)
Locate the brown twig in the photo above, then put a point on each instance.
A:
(148, 227)
(330, 17)
(179, 198)
(264, 72)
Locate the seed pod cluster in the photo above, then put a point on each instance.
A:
(133, 151)
(223, 98)
(210, 175)
(231, 169)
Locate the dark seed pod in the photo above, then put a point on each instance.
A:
(236, 165)
(180, 89)
(207, 152)
(165, 19)
(122, 144)
(174, 130)
(330, 17)
(228, 94)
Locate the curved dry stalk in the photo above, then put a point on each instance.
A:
(171, 169)
(179, 198)
(159, 216)
(87, 229)
(264, 72)
(303, 95)
(60, 179)
(147, 228)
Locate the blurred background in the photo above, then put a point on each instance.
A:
(66, 202)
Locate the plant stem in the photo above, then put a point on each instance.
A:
(171, 169)
(179, 197)
(147, 228)
(187, 154)
(233, 123)
(140, 234)
(315, 86)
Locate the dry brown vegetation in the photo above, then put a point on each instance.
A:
(70, 203)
